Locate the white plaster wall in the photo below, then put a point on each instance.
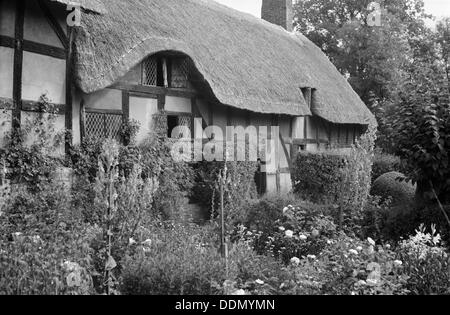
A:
(298, 128)
(178, 104)
(7, 18)
(37, 28)
(104, 99)
(6, 72)
(43, 75)
(285, 183)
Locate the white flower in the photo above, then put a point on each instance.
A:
(147, 242)
(260, 282)
(388, 246)
(36, 239)
(359, 248)
(361, 282)
(370, 250)
(239, 292)
(312, 257)
(372, 282)
(315, 233)
(352, 251)
(295, 261)
(303, 237)
(371, 241)
(282, 229)
(329, 242)
(286, 209)
(398, 263)
(289, 234)
(131, 241)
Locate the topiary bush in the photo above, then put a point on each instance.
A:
(394, 185)
(385, 163)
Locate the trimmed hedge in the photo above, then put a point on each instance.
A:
(318, 176)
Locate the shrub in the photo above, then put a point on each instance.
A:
(299, 230)
(29, 152)
(263, 214)
(336, 178)
(44, 246)
(426, 263)
(393, 185)
(239, 188)
(174, 260)
(348, 266)
(174, 179)
(317, 176)
(385, 163)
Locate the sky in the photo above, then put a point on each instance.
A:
(438, 8)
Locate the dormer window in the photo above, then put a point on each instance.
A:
(172, 71)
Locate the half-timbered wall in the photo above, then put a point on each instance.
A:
(34, 44)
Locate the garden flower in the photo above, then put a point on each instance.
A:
(359, 248)
(370, 250)
(295, 261)
(352, 251)
(361, 282)
(289, 234)
(282, 229)
(260, 282)
(329, 242)
(372, 282)
(131, 241)
(388, 246)
(312, 257)
(239, 292)
(73, 279)
(286, 209)
(398, 263)
(147, 242)
(371, 241)
(315, 233)
(36, 239)
(303, 237)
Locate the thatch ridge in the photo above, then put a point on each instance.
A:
(248, 63)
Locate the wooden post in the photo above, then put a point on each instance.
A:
(18, 64)
(82, 121)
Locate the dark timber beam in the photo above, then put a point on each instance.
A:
(6, 41)
(18, 63)
(69, 97)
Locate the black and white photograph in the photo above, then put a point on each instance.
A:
(227, 154)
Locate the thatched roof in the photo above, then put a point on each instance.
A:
(248, 63)
(92, 5)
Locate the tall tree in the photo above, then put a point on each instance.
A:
(373, 57)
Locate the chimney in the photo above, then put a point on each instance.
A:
(278, 12)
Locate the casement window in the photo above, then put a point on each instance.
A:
(166, 71)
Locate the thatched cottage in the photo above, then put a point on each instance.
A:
(175, 60)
